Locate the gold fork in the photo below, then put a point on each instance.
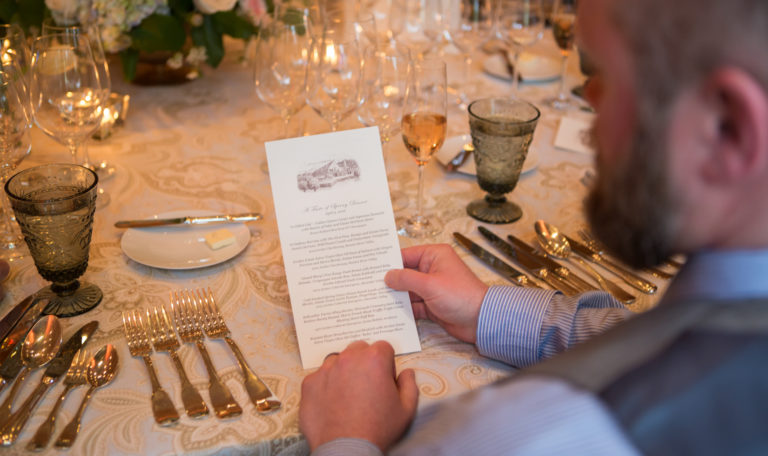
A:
(593, 243)
(75, 377)
(215, 328)
(186, 318)
(164, 339)
(138, 344)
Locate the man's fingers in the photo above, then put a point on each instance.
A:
(407, 279)
(412, 255)
(409, 391)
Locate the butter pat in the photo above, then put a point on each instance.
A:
(219, 238)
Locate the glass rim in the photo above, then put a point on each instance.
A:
(537, 112)
(51, 200)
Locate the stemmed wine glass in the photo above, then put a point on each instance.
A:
(416, 25)
(521, 25)
(14, 144)
(468, 32)
(333, 75)
(424, 126)
(564, 30)
(281, 67)
(383, 92)
(103, 168)
(66, 89)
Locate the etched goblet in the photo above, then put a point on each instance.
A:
(502, 130)
(54, 207)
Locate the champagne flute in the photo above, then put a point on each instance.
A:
(564, 29)
(103, 168)
(14, 141)
(333, 76)
(66, 89)
(417, 25)
(424, 126)
(521, 24)
(382, 93)
(280, 68)
(468, 32)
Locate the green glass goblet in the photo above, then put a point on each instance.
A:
(502, 130)
(54, 206)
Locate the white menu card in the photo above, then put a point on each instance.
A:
(338, 238)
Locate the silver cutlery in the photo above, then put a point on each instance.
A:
(630, 278)
(216, 328)
(75, 377)
(57, 367)
(507, 271)
(459, 159)
(186, 317)
(528, 263)
(101, 370)
(139, 346)
(561, 271)
(189, 220)
(164, 339)
(556, 245)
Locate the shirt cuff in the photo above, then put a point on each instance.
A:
(347, 447)
(509, 324)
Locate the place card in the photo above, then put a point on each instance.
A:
(338, 238)
(573, 134)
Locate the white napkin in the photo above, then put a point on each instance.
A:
(573, 134)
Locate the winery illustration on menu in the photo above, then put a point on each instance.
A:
(328, 174)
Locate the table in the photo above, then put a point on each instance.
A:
(201, 146)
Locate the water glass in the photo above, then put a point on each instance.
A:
(502, 130)
(54, 206)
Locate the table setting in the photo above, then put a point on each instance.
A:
(146, 305)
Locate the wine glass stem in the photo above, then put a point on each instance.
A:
(563, 67)
(286, 125)
(73, 150)
(515, 71)
(420, 195)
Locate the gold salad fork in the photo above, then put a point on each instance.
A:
(186, 317)
(215, 328)
(138, 344)
(75, 377)
(164, 339)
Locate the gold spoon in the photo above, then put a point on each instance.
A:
(101, 370)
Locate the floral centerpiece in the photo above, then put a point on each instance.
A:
(183, 33)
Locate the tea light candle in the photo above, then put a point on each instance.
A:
(113, 114)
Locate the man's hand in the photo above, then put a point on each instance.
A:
(442, 288)
(357, 394)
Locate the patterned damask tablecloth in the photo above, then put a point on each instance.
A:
(201, 146)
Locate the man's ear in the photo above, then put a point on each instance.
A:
(739, 142)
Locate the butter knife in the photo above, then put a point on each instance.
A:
(190, 220)
(510, 273)
(55, 370)
(529, 263)
(633, 280)
(10, 319)
(562, 271)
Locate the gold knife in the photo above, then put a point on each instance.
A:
(196, 220)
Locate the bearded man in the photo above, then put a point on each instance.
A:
(681, 93)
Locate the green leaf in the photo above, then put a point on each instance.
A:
(233, 24)
(7, 9)
(158, 33)
(207, 36)
(181, 7)
(129, 59)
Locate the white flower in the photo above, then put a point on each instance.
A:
(176, 61)
(196, 20)
(62, 6)
(197, 55)
(214, 6)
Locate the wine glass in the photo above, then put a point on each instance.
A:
(424, 126)
(564, 29)
(305, 14)
(280, 68)
(333, 76)
(14, 145)
(383, 92)
(103, 168)
(502, 130)
(468, 32)
(54, 205)
(521, 24)
(417, 25)
(66, 89)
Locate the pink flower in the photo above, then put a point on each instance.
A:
(254, 8)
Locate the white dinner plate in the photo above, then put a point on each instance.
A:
(533, 67)
(181, 247)
(453, 145)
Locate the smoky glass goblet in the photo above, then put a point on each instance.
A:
(502, 130)
(54, 206)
